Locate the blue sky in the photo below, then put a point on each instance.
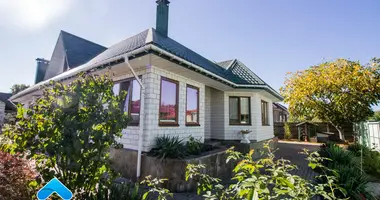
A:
(270, 37)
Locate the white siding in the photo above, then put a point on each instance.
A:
(232, 132)
(208, 115)
(217, 114)
(151, 81)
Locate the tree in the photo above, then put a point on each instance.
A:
(375, 116)
(69, 131)
(16, 88)
(336, 92)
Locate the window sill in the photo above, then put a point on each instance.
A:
(240, 124)
(168, 124)
(265, 124)
(193, 124)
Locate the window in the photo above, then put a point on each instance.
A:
(264, 113)
(131, 103)
(240, 111)
(168, 102)
(192, 105)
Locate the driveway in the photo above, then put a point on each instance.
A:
(290, 151)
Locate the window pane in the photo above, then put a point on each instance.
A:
(234, 113)
(244, 110)
(124, 86)
(116, 89)
(264, 112)
(168, 110)
(135, 103)
(192, 105)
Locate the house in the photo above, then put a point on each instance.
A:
(6, 106)
(280, 113)
(172, 90)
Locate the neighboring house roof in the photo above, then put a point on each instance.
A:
(70, 52)
(8, 104)
(234, 72)
(279, 106)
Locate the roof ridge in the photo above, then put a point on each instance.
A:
(70, 34)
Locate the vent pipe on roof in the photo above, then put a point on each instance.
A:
(162, 17)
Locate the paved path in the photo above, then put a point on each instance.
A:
(291, 152)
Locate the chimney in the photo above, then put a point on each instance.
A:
(162, 18)
(42, 66)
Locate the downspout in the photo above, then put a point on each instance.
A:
(142, 116)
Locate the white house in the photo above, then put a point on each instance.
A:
(181, 92)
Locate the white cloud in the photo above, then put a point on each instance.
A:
(32, 14)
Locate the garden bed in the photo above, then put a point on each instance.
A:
(124, 162)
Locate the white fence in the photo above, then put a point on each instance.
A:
(374, 135)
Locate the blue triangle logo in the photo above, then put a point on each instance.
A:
(54, 186)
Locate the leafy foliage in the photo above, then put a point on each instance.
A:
(68, 132)
(375, 116)
(350, 176)
(16, 88)
(337, 154)
(194, 146)
(174, 147)
(288, 134)
(266, 178)
(15, 174)
(169, 147)
(118, 191)
(155, 189)
(336, 92)
(370, 159)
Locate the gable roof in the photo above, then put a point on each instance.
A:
(8, 104)
(279, 106)
(79, 50)
(70, 52)
(150, 41)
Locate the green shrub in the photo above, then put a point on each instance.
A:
(266, 178)
(194, 146)
(353, 180)
(118, 191)
(68, 132)
(288, 134)
(169, 147)
(370, 159)
(349, 176)
(337, 155)
(358, 149)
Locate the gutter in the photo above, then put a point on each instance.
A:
(86, 67)
(73, 72)
(142, 116)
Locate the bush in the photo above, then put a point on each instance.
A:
(169, 147)
(119, 191)
(15, 175)
(194, 146)
(68, 132)
(337, 155)
(288, 134)
(266, 178)
(353, 180)
(349, 176)
(370, 159)
(358, 149)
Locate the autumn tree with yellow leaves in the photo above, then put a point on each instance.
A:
(337, 92)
